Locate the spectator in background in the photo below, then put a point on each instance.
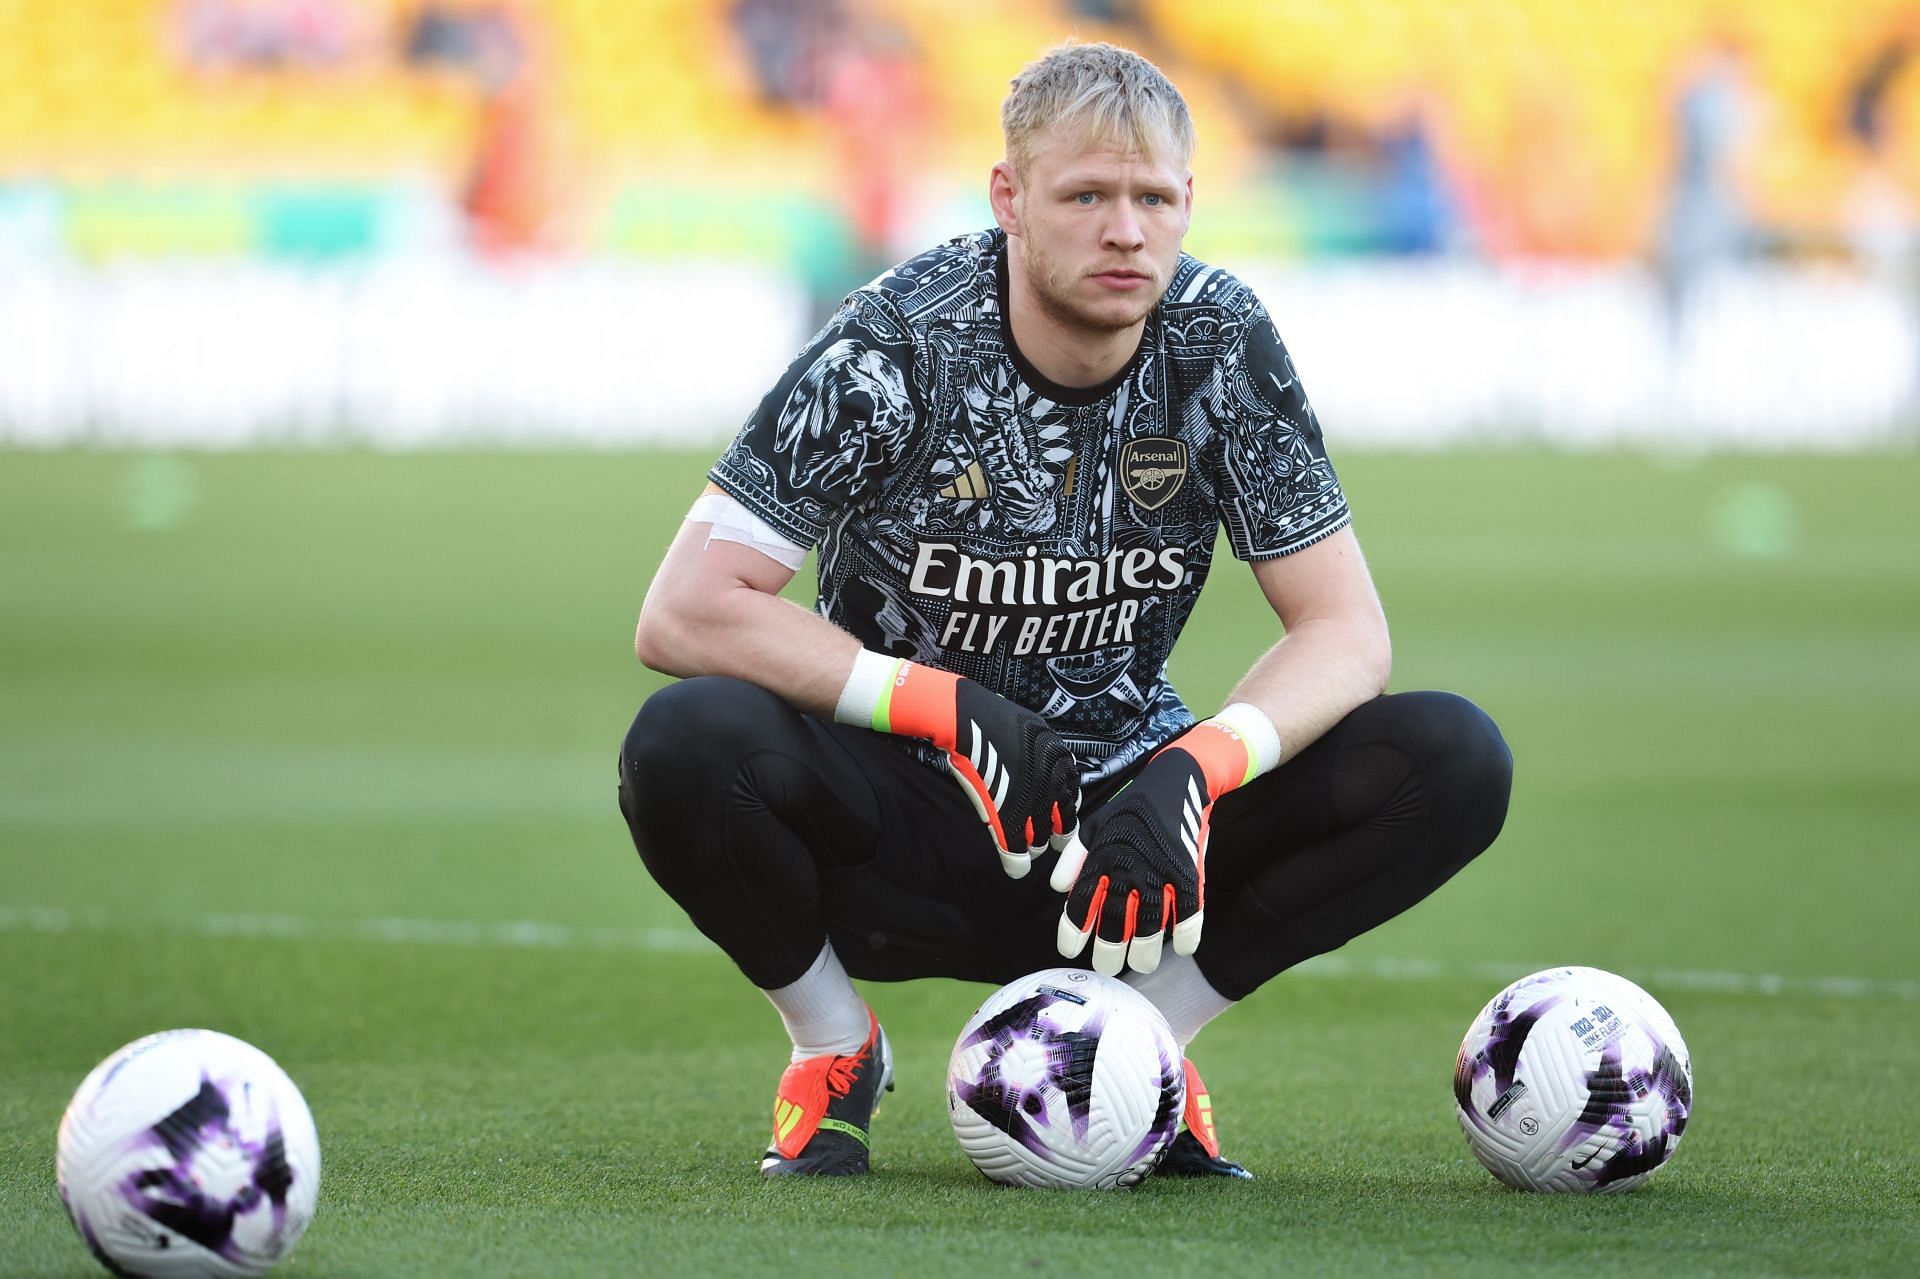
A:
(225, 35)
(1878, 218)
(1419, 213)
(874, 103)
(1715, 117)
(486, 43)
(1130, 17)
(788, 45)
(1113, 13)
(1868, 114)
(509, 193)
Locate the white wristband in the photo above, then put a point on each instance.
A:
(1250, 724)
(870, 681)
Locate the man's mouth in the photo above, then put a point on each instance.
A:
(1122, 278)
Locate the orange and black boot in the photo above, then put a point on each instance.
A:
(1195, 1152)
(823, 1109)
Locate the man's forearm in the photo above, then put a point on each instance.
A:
(766, 640)
(1308, 682)
(714, 610)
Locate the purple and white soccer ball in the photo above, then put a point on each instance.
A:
(1066, 1080)
(1573, 1079)
(189, 1153)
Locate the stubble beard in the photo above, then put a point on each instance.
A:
(1052, 289)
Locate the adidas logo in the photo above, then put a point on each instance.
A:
(986, 762)
(786, 1115)
(1190, 821)
(969, 484)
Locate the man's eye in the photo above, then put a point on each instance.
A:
(1085, 197)
(1153, 199)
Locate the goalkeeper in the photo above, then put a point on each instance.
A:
(1012, 454)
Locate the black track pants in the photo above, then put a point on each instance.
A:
(775, 831)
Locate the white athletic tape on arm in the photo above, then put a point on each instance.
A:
(871, 680)
(733, 522)
(1262, 739)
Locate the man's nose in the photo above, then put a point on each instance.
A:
(1123, 227)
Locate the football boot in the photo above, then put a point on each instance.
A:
(823, 1108)
(1195, 1151)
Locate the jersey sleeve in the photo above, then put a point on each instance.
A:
(1278, 490)
(836, 424)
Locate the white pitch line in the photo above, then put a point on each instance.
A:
(517, 934)
(1704, 980)
(539, 935)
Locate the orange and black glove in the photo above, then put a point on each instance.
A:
(1023, 780)
(1138, 867)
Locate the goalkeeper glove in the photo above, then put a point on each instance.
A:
(1023, 781)
(1140, 867)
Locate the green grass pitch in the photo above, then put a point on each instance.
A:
(318, 750)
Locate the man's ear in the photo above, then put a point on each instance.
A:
(1003, 191)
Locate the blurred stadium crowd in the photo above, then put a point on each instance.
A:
(1648, 154)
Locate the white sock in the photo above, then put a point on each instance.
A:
(823, 1012)
(1183, 996)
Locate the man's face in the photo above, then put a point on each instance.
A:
(1100, 229)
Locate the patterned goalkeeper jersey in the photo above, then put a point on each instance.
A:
(1046, 541)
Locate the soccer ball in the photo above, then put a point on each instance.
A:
(189, 1153)
(1573, 1079)
(1066, 1080)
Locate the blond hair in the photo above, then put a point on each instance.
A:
(1112, 95)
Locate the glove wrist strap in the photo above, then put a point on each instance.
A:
(869, 688)
(1232, 748)
(894, 695)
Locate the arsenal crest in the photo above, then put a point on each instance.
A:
(1152, 469)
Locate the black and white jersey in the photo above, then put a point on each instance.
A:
(1046, 541)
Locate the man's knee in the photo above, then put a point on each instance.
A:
(686, 747)
(1460, 759)
(706, 722)
(1463, 757)
(689, 743)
